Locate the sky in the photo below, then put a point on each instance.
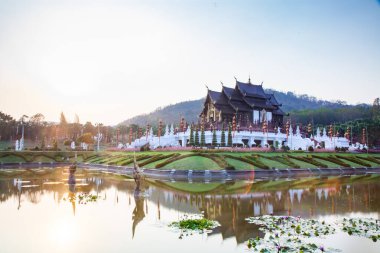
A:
(110, 60)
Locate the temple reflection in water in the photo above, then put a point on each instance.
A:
(228, 203)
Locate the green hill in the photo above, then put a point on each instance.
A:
(292, 103)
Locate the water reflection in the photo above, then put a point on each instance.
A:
(228, 203)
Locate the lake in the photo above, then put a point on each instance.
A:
(47, 210)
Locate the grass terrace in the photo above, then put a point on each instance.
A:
(201, 160)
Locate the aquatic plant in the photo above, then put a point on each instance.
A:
(364, 227)
(287, 234)
(194, 223)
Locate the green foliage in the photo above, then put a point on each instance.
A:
(332, 159)
(229, 138)
(55, 145)
(203, 139)
(223, 137)
(354, 160)
(157, 158)
(43, 144)
(250, 160)
(191, 141)
(195, 224)
(214, 141)
(196, 139)
(308, 160)
(86, 138)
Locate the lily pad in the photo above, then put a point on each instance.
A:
(364, 227)
(194, 223)
(288, 234)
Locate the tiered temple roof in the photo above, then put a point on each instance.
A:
(245, 97)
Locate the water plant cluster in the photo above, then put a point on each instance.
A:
(289, 234)
(188, 224)
(82, 197)
(364, 227)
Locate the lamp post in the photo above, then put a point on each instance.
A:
(99, 137)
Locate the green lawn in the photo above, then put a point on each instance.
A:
(193, 163)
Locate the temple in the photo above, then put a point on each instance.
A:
(247, 102)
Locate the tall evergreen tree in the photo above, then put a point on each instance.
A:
(203, 138)
(214, 141)
(229, 141)
(196, 141)
(63, 124)
(223, 137)
(191, 141)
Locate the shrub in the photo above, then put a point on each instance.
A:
(250, 160)
(283, 160)
(145, 147)
(223, 137)
(174, 158)
(272, 148)
(229, 137)
(332, 160)
(309, 160)
(156, 158)
(355, 160)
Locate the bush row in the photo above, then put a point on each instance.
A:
(138, 158)
(156, 158)
(332, 159)
(284, 160)
(250, 160)
(222, 163)
(369, 159)
(309, 160)
(174, 158)
(354, 160)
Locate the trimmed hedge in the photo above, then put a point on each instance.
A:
(176, 157)
(138, 158)
(222, 163)
(283, 160)
(354, 160)
(156, 158)
(332, 159)
(309, 160)
(369, 159)
(249, 160)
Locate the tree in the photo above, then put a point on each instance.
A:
(55, 144)
(203, 141)
(214, 141)
(191, 141)
(43, 143)
(196, 141)
(229, 141)
(223, 137)
(86, 138)
(76, 119)
(37, 119)
(63, 124)
(89, 128)
(376, 108)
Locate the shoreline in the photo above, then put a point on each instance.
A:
(205, 175)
